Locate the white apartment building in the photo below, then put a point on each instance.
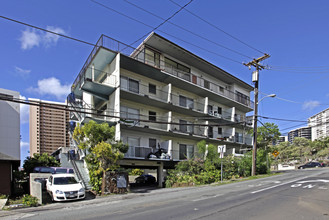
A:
(319, 124)
(161, 96)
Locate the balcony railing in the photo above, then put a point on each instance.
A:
(140, 55)
(142, 152)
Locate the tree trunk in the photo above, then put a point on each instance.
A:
(103, 183)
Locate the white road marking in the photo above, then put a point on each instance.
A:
(309, 186)
(314, 181)
(204, 198)
(271, 187)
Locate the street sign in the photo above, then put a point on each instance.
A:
(275, 153)
(221, 148)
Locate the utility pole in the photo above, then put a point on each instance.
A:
(255, 76)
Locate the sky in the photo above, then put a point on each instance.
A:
(226, 33)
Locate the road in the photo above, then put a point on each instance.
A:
(301, 194)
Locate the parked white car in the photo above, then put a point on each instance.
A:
(63, 187)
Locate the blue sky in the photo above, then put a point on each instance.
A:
(294, 33)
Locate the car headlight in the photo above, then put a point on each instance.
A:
(82, 190)
(58, 192)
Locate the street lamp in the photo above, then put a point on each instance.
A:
(254, 149)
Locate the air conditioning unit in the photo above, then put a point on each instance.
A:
(210, 112)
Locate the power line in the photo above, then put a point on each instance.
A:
(191, 32)
(280, 119)
(216, 27)
(69, 108)
(173, 36)
(42, 29)
(162, 23)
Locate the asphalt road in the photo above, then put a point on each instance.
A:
(302, 194)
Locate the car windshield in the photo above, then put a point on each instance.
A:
(61, 170)
(64, 180)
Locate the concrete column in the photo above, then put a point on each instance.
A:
(169, 121)
(160, 174)
(206, 128)
(206, 101)
(93, 73)
(233, 114)
(170, 149)
(169, 100)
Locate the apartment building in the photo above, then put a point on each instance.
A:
(161, 96)
(281, 139)
(49, 123)
(304, 132)
(319, 124)
(9, 139)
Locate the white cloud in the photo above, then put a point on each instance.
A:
(51, 39)
(52, 86)
(22, 72)
(31, 38)
(310, 105)
(24, 111)
(24, 144)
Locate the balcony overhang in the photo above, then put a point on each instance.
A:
(99, 60)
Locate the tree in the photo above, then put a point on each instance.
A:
(267, 134)
(39, 160)
(104, 152)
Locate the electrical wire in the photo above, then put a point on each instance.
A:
(162, 23)
(184, 29)
(42, 29)
(219, 29)
(173, 36)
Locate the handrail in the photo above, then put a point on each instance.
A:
(76, 170)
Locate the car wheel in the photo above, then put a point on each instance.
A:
(301, 168)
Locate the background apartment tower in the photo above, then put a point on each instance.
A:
(304, 132)
(48, 126)
(319, 124)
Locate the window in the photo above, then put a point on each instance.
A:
(129, 84)
(152, 57)
(152, 116)
(186, 102)
(152, 144)
(220, 130)
(183, 127)
(210, 110)
(206, 84)
(129, 115)
(152, 89)
(242, 98)
(186, 151)
(170, 64)
(210, 132)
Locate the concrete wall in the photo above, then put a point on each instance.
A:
(10, 126)
(36, 187)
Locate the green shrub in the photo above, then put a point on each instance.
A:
(2, 196)
(136, 172)
(30, 200)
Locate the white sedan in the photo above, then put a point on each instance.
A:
(63, 187)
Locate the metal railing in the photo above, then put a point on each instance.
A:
(140, 55)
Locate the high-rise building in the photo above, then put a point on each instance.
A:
(161, 97)
(304, 132)
(319, 124)
(9, 138)
(49, 123)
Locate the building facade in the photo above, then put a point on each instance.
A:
(49, 124)
(304, 132)
(9, 138)
(161, 97)
(319, 124)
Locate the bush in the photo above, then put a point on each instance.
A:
(2, 196)
(136, 172)
(30, 200)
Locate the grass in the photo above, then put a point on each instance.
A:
(246, 179)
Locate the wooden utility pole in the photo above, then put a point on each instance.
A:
(255, 76)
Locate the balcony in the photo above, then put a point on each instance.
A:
(142, 152)
(105, 56)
